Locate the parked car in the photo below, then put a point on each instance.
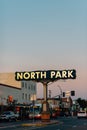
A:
(17, 116)
(31, 115)
(35, 115)
(8, 116)
(82, 114)
(53, 114)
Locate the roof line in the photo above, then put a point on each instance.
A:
(9, 86)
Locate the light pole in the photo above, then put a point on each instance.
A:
(60, 95)
(60, 90)
(33, 98)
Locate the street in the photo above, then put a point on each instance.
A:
(65, 123)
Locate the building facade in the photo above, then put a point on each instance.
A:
(20, 95)
(28, 89)
(6, 91)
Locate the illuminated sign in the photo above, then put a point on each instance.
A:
(50, 75)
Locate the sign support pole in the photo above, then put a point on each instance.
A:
(45, 91)
(45, 105)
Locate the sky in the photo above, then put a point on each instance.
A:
(45, 35)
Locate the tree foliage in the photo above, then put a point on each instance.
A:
(82, 103)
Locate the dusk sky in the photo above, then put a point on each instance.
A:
(45, 35)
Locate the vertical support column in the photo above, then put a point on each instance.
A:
(45, 105)
(45, 91)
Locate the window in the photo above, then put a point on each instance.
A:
(22, 84)
(29, 96)
(29, 87)
(22, 95)
(26, 85)
(34, 87)
(26, 96)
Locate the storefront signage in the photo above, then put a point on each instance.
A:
(46, 75)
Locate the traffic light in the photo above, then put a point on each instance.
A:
(72, 93)
(63, 94)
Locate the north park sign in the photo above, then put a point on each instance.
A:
(49, 75)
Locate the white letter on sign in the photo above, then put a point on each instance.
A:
(19, 75)
(64, 74)
(26, 75)
(70, 74)
(43, 75)
(58, 74)
(32, 75)
(52, 74)
(37, 73)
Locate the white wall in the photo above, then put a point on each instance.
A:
(6, 91)
(27, 89)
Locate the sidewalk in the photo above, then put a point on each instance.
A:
(40, 123)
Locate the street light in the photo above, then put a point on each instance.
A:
(33, 99)
(58, 87)
(61, 94)
(60, 90)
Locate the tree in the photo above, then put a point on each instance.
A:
(82, 103)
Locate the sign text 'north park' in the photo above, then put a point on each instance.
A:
(50, 75)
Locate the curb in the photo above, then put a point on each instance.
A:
(39, 124)
(26, 125)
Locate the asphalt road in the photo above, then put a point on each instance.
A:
(65, 123)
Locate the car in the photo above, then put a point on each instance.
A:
(82, 114)
(37, 115)
(17, 116)
(53, 114)
(8, 116)
(31, 115)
